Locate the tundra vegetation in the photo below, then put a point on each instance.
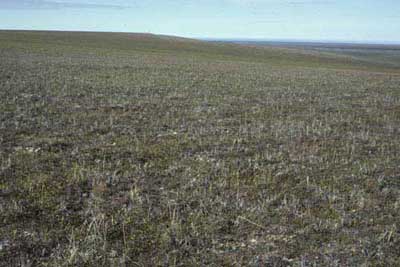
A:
(142, 150)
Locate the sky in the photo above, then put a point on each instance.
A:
(373, 21)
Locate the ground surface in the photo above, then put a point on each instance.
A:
(139, 150)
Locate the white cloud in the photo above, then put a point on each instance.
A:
(49, 4)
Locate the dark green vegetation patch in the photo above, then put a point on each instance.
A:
(140, 150)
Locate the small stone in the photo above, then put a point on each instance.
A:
(4, 244)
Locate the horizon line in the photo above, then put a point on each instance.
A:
(227, 39)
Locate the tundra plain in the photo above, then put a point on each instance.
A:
(142, 150)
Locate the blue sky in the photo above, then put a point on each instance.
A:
(329, 20)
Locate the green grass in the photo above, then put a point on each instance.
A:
(142, 150)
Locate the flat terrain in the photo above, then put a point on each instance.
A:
(142, 150)
(383, 54)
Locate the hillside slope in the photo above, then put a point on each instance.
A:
(142, 150)
(127, 43)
